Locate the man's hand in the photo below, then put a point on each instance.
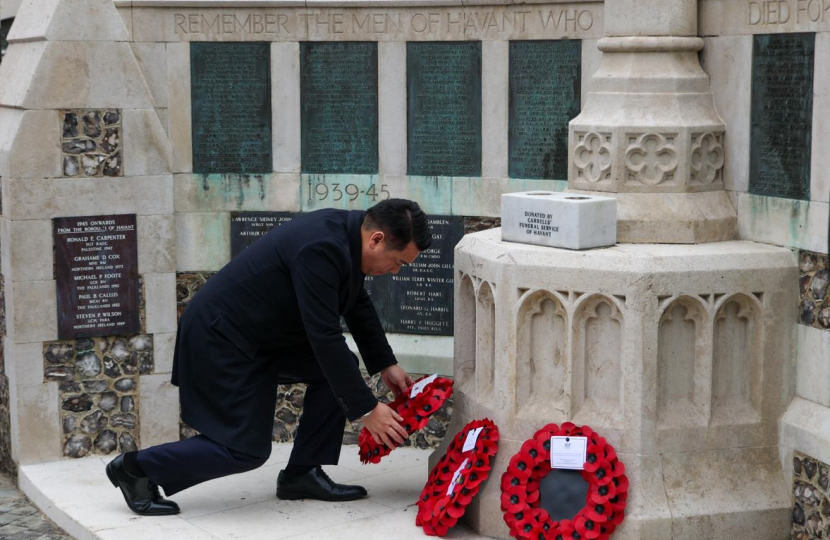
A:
(396, 379)
(383, 424)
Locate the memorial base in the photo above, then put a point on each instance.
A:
(681, 356)
(673, 218)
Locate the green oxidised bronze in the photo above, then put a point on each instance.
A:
(782, 115)
(339, 89)
(231, 107)
(444, 108)
(544, 97)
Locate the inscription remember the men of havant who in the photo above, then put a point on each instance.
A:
(544, 97)
(231, 107)
(507, 23)
(96, 262)
(339, 94)
(782, 115)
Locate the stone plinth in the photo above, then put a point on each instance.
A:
(680, 355)
(649, 126)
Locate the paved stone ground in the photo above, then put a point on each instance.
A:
(20, 519)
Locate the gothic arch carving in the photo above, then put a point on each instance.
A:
(465, 335)
(542, 370)
(597, 358)
(485, 362)
(736, 361)
(683, 372)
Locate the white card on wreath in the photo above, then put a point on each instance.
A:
(419, 386)
(472, 438)
(456, 478)
(568, 452)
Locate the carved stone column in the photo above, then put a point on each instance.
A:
(649, 131)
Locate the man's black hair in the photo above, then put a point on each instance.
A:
(402, 221)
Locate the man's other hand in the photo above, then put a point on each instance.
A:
(383, 424)
(396, 379)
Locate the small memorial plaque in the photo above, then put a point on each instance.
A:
(444, 108)
(339, 95)
(248, 227)
(421, 294)
(782, 115)
(231, 107)
(544, 97)
(96, 262)
(566, 220)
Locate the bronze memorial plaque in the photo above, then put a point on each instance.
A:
(96, 262)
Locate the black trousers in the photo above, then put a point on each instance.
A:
(179, 465)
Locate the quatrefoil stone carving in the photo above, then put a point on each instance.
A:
(592, 157)
(707, 158)
(651, 158)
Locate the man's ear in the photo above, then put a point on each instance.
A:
(376, 238)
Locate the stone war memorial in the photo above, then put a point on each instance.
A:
(684, 314)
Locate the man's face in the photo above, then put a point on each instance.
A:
(378, 259)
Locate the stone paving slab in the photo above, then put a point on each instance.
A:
(78, 497)
(21, 520)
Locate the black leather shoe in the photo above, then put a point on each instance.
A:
(315, 484)
(142, 496)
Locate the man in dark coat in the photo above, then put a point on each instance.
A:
(272, 316)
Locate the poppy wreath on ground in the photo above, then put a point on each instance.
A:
(438, 511)
(603, 471)
(415, 412)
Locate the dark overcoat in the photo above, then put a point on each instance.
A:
(285, 293)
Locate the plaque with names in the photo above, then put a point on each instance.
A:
(96, 261)
(378, 289)
(544, 97)
(231, 107)
(444, 108)
(339, 107)
(782, 115)
(421, 294)
(248, 227)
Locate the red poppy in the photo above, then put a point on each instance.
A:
(472, 466)
(607, 489)
(415, 412)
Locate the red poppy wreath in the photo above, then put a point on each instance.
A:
(457, 477)
(607, 489)
(415, 411)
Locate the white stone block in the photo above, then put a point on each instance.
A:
(285, 106)
(813, 365)
(29, 144)
(68, 20)
(495, 114)
(203, 242)
(159, 402)
(164, 345)
(567, 220)
(156, 244)
(783, 222)
(27, 250)
(35, 423)
(392, 108)
(18, 71)
(481, 196)
(591, 58)
(160, 295)
(48, 198)
(146, 146)
(152, 59)
(115, 78)
(236, 192)
(417, 353)
(178, 99)
(819, 171)
(24, 362)
(728, 62)
(805, 427)
(31, 311)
